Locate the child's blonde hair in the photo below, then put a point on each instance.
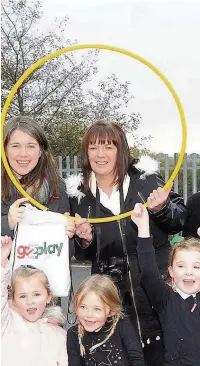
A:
(51, 312)
(104, 287)
(190, 244)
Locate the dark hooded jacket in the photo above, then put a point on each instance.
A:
(169, 220)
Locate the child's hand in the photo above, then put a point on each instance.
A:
(16, 213)
(198, 231)
(69, 227)
(6, 245)
(140, 217)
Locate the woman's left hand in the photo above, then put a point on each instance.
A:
(158, 198)
(69, 227)
(83, 229)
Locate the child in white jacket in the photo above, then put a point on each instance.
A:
(31, 335)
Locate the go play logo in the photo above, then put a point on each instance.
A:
(35, 252)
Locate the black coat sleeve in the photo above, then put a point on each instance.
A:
(172, 217)
(5, 229)
(193, 219)
(84, 253)
(73, 350)
(156, 289)
(131, 343)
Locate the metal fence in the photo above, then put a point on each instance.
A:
(186, 182)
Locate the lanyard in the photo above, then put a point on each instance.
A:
(122, 224)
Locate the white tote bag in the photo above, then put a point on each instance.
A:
(40, 241)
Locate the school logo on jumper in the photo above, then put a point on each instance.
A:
(34, 252)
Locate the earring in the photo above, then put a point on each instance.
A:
(173, 285)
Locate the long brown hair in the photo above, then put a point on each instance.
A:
(104, 287)
(102, 131)
(46, 166)
(189, 244)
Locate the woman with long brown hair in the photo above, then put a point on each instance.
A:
(30, 159)
(113, 182)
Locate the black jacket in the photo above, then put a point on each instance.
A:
(122, 348)
(193, 220)
(181, 327)
(167, 221)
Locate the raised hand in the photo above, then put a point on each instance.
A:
(16, 213)
(140, 217)
(6, 245)
(158, 198)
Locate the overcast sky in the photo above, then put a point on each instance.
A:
(166, 33)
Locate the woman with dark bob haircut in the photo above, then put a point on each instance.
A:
(112, 182)
(32, 164)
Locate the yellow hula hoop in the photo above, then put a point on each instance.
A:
(81, 47)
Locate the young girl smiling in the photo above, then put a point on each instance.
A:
(102, 336)
(177, 305)
(31, 334)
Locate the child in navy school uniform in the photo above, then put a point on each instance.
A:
(103, 336)
(178, 302)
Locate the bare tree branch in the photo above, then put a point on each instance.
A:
(56, 93)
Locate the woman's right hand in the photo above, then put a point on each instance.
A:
(6, 245)
(83, 229)
(16, 213)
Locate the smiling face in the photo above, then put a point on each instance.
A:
(23, 152)
(185, 271)
(92, 312)
(31, 296)
(103, 158)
